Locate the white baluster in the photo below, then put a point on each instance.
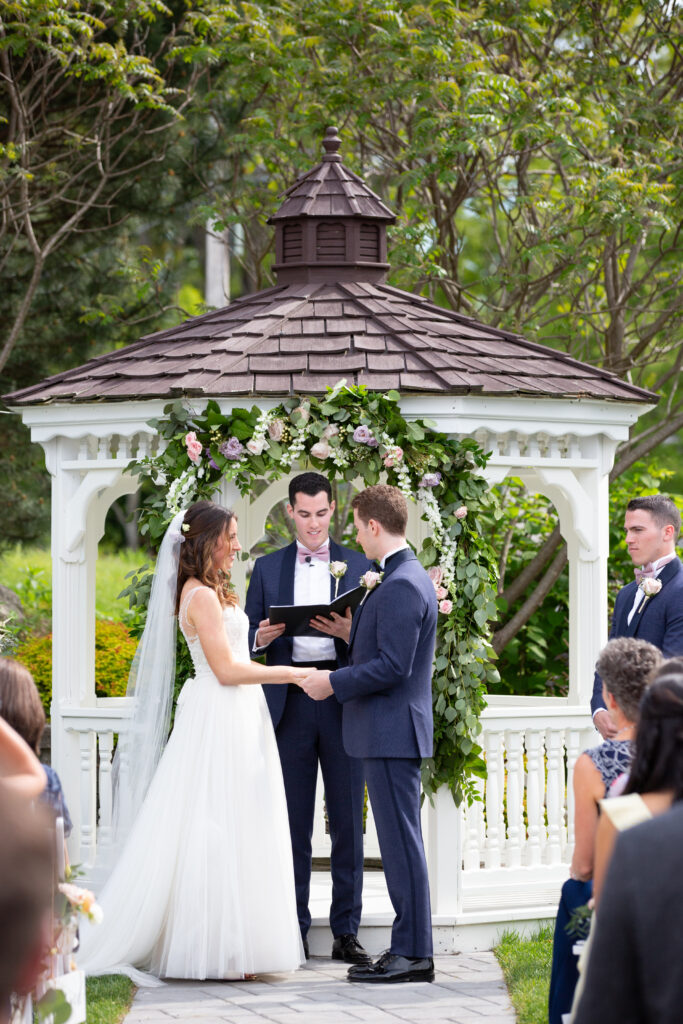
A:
(86, 742)
(492, 745)
(320, 840)
(514, 446)
(474, 831)
(104, 450)
(555, 795)
(123, 451)
(574, 748)
(535, 788)
(515, 783)
(106, 746)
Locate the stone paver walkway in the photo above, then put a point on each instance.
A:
(468, 989)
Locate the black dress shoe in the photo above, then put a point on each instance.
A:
(393, 968)
(305, 945)
(349, 949)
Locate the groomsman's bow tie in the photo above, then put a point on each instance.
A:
(322, 553)
(646, 573)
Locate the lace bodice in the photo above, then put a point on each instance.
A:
(236, 626)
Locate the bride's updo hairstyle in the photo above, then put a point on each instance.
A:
(202, 528)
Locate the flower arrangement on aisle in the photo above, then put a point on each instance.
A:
(352, 433)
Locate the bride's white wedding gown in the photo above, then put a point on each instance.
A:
(204, 885)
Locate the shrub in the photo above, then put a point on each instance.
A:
(114, 650)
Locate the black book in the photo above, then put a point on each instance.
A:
(297, 617)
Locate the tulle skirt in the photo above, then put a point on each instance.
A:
(204, 885)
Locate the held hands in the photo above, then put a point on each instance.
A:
(337, 625)
(317, 684)
(604, 724)
(292, 674)
(266, 633)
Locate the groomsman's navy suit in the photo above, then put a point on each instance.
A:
(309, 732)
(386, 694)
(658, 620)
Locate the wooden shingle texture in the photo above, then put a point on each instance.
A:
(302, 338)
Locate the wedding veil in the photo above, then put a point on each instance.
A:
(150, 682)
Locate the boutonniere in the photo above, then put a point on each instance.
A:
(370, 580)
(650, 587)
(337, 569)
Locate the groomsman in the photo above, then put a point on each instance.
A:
(309, 733)
(386, 694)
(652, 524)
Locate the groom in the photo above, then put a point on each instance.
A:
(652, 525)
(386, 695)
(308, 733)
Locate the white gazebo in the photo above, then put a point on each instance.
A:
(544, 417)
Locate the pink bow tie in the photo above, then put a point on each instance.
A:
(646, 573)
(322, 554)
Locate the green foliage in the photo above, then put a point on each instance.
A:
(526, 967)
(114, 650)
(535, 661)
(456, 543)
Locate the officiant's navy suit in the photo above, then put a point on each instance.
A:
(659, 620)
(386, 695)
(309, 732)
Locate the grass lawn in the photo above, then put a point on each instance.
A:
(110, 571)
(526, 966)
(108, 998)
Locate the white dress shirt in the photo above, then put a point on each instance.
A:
(312, 586)
(657, 566)
(393, 551)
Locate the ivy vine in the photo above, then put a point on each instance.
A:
(348, 434)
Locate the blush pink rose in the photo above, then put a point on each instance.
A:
(435, 573)
(446, 607)
(320, 450)
(194, 447)
(441, 593)
(461, 512)
(275, 430)
(393, 456)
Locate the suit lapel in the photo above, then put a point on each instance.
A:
(285, 592)
(670, 570)
(405, 555)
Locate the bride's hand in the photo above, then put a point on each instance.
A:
(295, 675)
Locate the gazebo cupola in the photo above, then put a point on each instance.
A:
(331, 226)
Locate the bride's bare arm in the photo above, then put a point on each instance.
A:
(206, 616)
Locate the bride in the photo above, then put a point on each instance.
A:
(202, 884)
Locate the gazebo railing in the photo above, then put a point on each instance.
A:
(508, 850)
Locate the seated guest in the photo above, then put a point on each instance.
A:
(655, 779)
(20, 769)
(26, 892)
(22, 708)
(625, 666)
(634, 971)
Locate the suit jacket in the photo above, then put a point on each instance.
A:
(272, 582)
(658, 620)
(634, 971)
(386, 690)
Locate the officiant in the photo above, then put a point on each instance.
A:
(313, 569)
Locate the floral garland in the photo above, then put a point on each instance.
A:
(352, 433)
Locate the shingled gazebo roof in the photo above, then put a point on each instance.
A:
(331, 315)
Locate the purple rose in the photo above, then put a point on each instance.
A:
(430, 480)
(231, 449)
(363, 435)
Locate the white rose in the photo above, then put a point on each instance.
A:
(256, 445)
(650, 586)
(320, 450)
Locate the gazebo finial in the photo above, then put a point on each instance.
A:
(331, 145)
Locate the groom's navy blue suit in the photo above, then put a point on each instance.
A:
(309, 732)
(386, 694)
(658, 620)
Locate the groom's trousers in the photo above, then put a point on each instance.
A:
(394, 790)
(310, 731)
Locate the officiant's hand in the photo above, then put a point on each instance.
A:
(336, 625)
(317, 685)
(266, 633)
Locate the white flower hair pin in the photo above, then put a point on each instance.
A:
(337, 569)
